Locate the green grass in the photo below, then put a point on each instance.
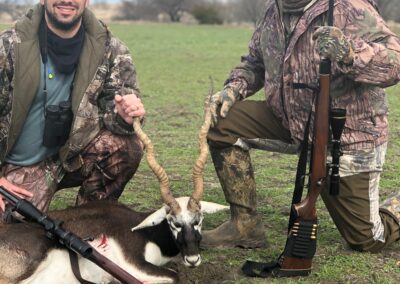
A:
(174, 63)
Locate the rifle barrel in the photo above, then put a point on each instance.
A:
(306, 208)
(67, 238)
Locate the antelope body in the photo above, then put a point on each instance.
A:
(138, 242)
(28, 256)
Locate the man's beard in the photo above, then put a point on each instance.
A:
(64, 26)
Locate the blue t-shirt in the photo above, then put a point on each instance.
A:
(29, 149)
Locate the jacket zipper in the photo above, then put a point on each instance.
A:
(283, 61)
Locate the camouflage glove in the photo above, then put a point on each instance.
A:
(332, 43)
(226, 98)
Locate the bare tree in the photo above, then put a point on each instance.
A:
(249, 10)
(174, 8)
(149, 9)
(14, 8)
(137, 10)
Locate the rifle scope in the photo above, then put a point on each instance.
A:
(337, 120)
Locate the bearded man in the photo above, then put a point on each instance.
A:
(68, 96)
(284, 54)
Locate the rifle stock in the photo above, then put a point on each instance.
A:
(67, 238)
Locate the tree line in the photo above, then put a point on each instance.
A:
(216, 12)
(204, 11)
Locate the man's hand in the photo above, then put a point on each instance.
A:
(332, 44)
(128, 107)
(13, 189)
(226, 98)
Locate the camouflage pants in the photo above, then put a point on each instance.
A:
(109, 162)
(355, 211)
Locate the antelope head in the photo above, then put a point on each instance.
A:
(184, 214)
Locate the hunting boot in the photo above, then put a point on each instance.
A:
(392, 204)
(245, 228)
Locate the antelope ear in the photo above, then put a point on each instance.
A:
(211, 207)
(153, 219)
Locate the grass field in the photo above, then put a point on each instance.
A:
(174, 63)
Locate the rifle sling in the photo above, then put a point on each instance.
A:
(73, 257)
(300, 173)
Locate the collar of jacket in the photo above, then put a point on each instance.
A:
(295, 6)
(27, 64)
(319, 8)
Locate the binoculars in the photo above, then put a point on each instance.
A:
(57, 124)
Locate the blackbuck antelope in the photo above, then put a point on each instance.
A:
(138, 242)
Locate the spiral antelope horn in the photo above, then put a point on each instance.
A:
(159, 172)
(198, 168)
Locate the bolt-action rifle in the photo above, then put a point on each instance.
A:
(296, 259)
(74, 243)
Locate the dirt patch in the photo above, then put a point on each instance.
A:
(212, 272)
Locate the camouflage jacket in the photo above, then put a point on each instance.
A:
(105, 66)
(276, 62)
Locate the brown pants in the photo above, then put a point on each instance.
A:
(109, 162)
(355, 211)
